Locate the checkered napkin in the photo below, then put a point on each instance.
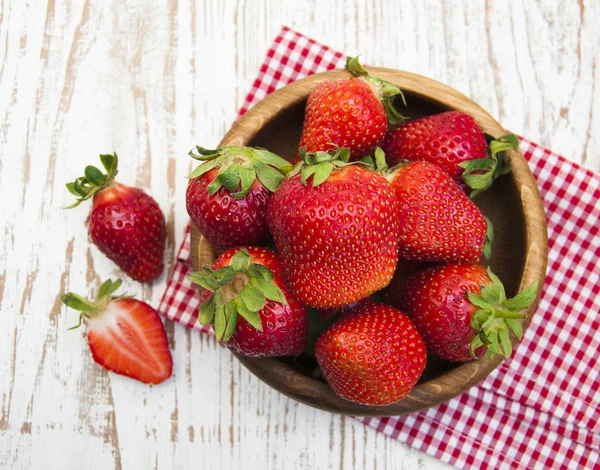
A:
(539, 409)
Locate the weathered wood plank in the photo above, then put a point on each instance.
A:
(151, 78)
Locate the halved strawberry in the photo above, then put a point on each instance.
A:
(126, 336)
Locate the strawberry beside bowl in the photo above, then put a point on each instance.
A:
(513, 204)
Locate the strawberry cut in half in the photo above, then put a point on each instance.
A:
(373, 356)
(249, 305)
(462, 310)
(351, 113)
(454, 141)
(227, 195)
(126, 336)
(125, 223)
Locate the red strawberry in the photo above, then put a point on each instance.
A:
(438, 222)
(460, 309)
(126, 336)
(373, 356)
(248, 282)
(125, 223)
(335, 227)
(227, 195)
(453, 141)
(349, 113)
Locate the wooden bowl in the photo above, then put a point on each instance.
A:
(513, 204)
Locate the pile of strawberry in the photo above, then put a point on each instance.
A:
(365, 254)
(369, 241)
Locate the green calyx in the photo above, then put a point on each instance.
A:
(90, 309)
(386, 90)
(480, 173)
(239, 167)
(242, 288)
(489, 239)
(497, 315)
(320, 164)
(84, 187)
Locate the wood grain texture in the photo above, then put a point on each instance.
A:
(150, 78)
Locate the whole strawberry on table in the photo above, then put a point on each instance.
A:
(377, 253)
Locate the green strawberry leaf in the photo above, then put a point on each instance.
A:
(253, 298)
(203, 169)
(231, 319)
(524, 298)
(505, 341)
(323, 170)
(269, 289)
(214, 186)
(489, 235)
(247, 177)
(206, 312)
(266, 272)
(269, 158)
(251, 317)
(268, 176)
(241, 260)
(108, 288)
(77, 302)
(230, 178)
(515, 326)
(220, 322)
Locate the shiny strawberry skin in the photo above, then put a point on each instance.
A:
(128, 226)
(225, 221)
(445, 139)
(436, 300)
(438, 222)
(285, 327)
(374, 356)
(338, 242)
(346, 113)
(128, 338)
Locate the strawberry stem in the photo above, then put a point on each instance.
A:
(239, 167)
(385, 90)
(84, 187)
(90, 309)
(497, 315)
(479, 174)
(242, 288)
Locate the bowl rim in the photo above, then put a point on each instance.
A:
(448, 385)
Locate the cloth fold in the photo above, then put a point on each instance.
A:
(541, 407)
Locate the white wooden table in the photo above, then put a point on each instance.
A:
(151, 78)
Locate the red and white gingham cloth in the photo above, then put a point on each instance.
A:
(539, 409)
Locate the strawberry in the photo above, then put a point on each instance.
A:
(374, 356)
(453, 141)
(126, 336)
(336, 229)
(461, 310)
(125, 223)
(349, 112)
(250, 307)
(227, 195)
(438, 222)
